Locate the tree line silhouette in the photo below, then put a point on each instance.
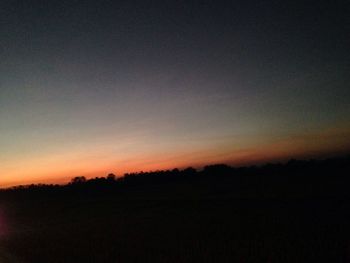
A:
(321, 177)
(290, 206)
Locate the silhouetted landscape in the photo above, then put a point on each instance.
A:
(292, 212)
(101, 100)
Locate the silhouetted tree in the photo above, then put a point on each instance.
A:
(111, 177)
(78, 180)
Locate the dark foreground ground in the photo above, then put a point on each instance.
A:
(289, 218)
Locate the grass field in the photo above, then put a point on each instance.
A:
(161, 226)
(296, 213)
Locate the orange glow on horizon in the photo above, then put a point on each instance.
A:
(60, 168)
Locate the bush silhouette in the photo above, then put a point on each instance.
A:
(78, 180)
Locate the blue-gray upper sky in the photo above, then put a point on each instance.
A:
(136, 84)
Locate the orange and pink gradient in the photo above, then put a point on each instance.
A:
(59, 163)
(89, 88)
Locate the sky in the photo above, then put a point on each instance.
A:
(93, 87)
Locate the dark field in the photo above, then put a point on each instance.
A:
(237, 217)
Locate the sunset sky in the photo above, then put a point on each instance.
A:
(92, 87)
